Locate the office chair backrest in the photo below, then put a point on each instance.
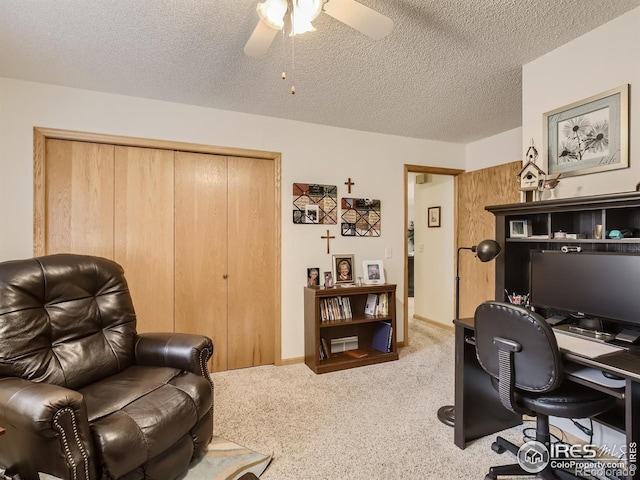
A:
(538, 365)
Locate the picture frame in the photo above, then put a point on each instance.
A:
(519, 228)
(328, 280)
(342, 268)
(373, 272)
(433, 217)
(313, 277)
(312, 214)
(588, 136)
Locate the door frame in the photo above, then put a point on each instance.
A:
(408, 168)
(42, 134)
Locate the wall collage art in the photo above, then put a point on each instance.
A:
(318, 204)
(315, 203)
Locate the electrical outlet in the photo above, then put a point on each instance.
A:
(421, 247)
(388, 252)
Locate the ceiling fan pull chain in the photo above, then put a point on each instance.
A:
(284, 53)
(293, 51)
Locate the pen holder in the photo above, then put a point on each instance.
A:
(518, 299)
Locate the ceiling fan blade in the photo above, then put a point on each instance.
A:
(364, 19)
(260, 40)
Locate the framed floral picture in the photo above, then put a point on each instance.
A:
(588, 136)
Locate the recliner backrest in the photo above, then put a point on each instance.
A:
(538, 366)
(65, 319)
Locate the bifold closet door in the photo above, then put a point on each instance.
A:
(201, 249)
(144, 226)
(78, 215)
(195, 234)
(252, 262)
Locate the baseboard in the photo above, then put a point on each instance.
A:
(451, 327)
(291, 361)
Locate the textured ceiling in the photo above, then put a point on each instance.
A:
(451, 69)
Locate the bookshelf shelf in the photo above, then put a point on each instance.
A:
(363, 326)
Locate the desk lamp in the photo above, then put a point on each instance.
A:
(485, 251)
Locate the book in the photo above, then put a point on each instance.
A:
(324, 347)
(372, 303)
(382, 337)
(356, 353)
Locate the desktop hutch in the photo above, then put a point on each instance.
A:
(478, 411)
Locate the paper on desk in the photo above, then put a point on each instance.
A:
(583, 347)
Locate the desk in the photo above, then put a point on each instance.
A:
(478, 411)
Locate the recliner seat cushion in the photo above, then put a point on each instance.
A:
(138, 413)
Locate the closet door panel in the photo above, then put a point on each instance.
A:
(144, 232)
(201, 249)
(79, 198)
(251, 262)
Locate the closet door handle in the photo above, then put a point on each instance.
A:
(225, 276)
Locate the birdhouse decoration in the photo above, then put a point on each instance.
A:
(531, 177)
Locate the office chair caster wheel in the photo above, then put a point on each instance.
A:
(490, 476)
(496, 447)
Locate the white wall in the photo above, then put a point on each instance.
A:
(310, 153)
(600, 60)
(505, 147)
(434, 250)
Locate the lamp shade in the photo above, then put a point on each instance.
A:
(487, 250)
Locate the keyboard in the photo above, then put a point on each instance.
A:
(581, 346)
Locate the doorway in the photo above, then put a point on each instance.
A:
(425, 175)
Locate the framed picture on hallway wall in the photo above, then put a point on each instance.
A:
(433, 217)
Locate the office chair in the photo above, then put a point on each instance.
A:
(518, 349)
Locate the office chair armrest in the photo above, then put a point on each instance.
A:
(176, 350)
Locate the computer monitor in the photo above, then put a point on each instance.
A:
(597, 284)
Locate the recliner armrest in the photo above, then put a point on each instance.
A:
(47, 430)
(33, 406)
(178, 350)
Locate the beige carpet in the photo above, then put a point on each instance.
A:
(367, 423)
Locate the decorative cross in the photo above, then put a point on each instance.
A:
(328, 238)
(349, 183)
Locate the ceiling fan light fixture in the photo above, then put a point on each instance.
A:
(304, 12)
(272, 13)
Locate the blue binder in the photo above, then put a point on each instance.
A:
(381, 340)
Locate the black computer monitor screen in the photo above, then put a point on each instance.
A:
(597, 284)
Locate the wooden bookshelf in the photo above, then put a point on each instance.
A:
(360, 325)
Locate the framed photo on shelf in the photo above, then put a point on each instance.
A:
(373, 272)
(342, 268)
(433, 217)
(313, 277)
(519, 228)
(588, 136)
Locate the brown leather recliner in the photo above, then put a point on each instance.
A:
(82, 395)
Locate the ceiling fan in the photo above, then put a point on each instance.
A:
(303, 12)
